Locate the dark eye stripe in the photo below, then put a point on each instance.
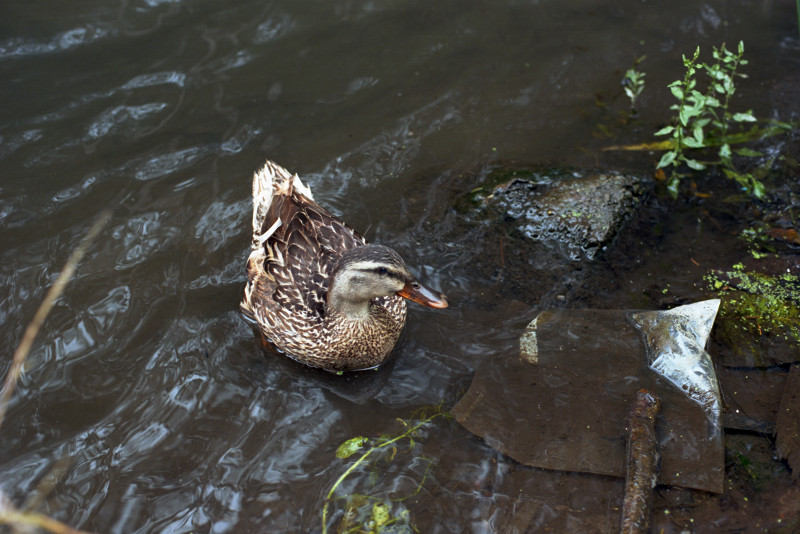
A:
(383, 271)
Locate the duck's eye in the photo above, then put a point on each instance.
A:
(382, 271)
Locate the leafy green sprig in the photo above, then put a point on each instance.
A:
(704, 120)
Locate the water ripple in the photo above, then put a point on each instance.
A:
(273, 28)
(158, 166)
(220, 222)
(75, 37)
(122, 118)
(16, 141)
(155, 78)
(140, 237)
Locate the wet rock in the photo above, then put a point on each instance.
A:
(580, 211)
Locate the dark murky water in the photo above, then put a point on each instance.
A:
(145, 378)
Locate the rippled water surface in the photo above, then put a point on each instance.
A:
(146, 386)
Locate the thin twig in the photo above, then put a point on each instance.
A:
(44, 309)
(642, 463)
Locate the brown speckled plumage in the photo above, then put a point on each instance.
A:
(297, 252)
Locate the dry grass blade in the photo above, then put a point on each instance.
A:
(44, 309)
(9, 515)
(29, 519)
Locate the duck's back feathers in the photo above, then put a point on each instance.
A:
(297, 243)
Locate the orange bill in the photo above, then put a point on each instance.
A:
(422, 295)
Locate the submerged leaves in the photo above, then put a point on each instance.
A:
(350, 447)
(357, 517)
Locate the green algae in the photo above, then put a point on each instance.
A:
(756, 306)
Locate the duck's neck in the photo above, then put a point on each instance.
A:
(356, 311)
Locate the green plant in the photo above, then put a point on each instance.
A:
(359, 516)
(703, 120)
(633, 82)
(705, 116)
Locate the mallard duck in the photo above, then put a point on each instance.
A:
(317, 291)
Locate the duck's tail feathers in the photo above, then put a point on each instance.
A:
(269, 182)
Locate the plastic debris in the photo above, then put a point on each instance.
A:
(675, 341)
(563, 402)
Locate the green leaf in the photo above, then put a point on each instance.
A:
(758, 189)
(677, 92)
(747, 152)
(725, 151)
(744, 117)
(729, 87)
(694, 164)
(380, 514)
(665, 130)
(672, 186)
(741, 47)
(691, 142)
(686, 114)
(350, 447)
(716, 73)
(698, 133)
(666, 159)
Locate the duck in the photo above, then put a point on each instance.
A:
(316, 290)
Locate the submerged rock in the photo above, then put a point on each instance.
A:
(581, 212)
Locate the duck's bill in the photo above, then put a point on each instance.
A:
(422, 295)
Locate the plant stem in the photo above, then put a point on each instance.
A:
(329, 497)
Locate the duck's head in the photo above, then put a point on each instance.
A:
(372, 271)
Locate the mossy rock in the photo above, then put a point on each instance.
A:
(759, 316)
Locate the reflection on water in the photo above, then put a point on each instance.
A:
(146, 379)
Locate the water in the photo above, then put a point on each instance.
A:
(145, 381)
